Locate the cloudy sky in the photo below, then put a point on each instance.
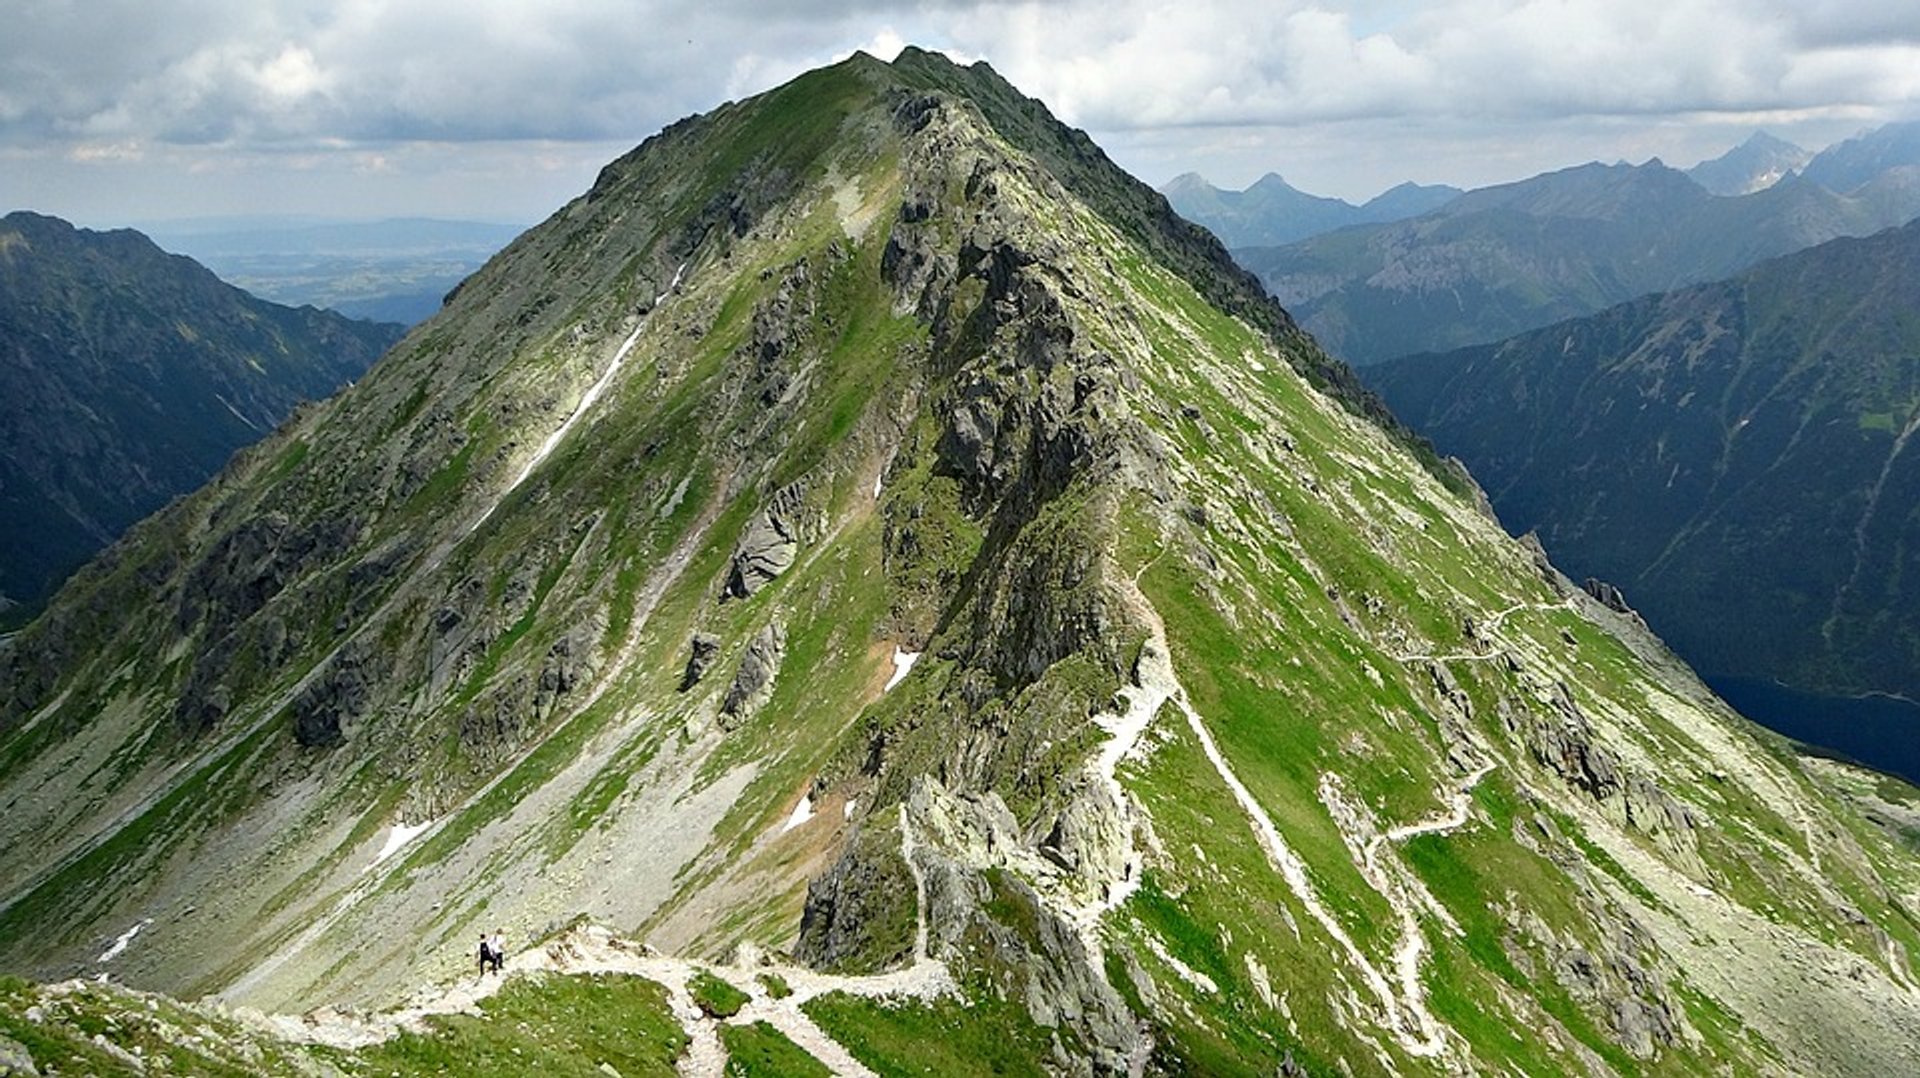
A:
(116, 111)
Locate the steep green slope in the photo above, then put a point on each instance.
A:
(1502, 260)
(128, 377)
(1733, 456)
(868, 526)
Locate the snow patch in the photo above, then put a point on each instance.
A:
(802, 812)
(120, 943)
(398, 837)
(251, 425)
(679, 495)
(902, 662)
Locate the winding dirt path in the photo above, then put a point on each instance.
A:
(595, 949)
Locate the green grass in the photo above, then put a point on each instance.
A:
(776, 986)
(955, 1039)
(715, 997)
(1461, 872)
(289, 459)
(761, 1051)
(557, 1027)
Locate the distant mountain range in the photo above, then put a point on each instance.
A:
(1272, 211)
(1502, 260)
(1866, 157)
(1735, 455)
(129, 376)
(396, 270)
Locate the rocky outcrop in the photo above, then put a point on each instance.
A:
(980, 903)
(568, 662)
(1607, 595)
(753, 682)
(255, 561)
(702, 650)
(15, 1060)
(326, 710)
(769, 544)
(777, 322)
(1565, 744)
(1611, 597)
(859, 915)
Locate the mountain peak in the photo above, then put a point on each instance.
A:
(1754, 165)
(870, 526)
(1186, 183)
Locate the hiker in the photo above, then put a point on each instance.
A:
(497, 946)
(486, 954)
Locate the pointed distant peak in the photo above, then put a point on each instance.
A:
(1762, 140)
(1272, 181)
(1186, 181)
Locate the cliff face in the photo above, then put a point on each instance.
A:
(128, 376)
(867, 525)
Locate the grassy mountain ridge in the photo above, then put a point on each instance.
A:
(1501, 260)
(1732, 455)
(128, 377)
(868, 526)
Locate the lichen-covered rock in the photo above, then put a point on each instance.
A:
(1566, 744)
(979, 904)
(15, 1060)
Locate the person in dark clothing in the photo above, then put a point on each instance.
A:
(487, 957)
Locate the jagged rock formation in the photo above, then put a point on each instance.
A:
(768, 548)
(1125, 670)
(128, 376)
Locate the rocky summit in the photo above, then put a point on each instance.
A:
(867, 586)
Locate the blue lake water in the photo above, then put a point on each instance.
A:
(1878, 731)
